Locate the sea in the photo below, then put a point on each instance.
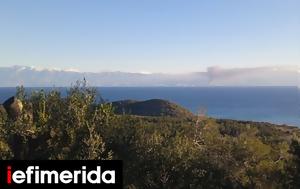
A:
(278, 105)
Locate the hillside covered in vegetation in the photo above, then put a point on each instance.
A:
(153, 107)
(157, 151)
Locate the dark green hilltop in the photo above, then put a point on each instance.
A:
(152, 107)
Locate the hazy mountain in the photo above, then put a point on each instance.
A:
(28, 76)
(214, 76)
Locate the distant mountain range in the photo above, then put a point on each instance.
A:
(214, 76)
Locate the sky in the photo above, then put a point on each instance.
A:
(169, 36)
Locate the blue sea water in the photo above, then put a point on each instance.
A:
(280, 105)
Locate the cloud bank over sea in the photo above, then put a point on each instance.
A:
(214, 76)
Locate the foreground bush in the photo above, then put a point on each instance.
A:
(56, 127)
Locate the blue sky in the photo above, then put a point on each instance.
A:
(149, 35)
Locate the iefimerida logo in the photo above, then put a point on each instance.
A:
(66, 173)
(33, 175)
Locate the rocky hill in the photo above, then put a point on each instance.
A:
(153, 107)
